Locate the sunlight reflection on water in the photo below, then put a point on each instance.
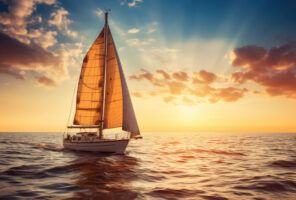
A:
(163, 166)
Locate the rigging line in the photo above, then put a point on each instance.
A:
(74, 91)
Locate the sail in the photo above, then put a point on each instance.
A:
(129, 119)
(113, 95)
(90, 87)
(102, 90)
(118, 106)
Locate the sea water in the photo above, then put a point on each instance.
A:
(160, 166)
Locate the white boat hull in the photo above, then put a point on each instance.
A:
(103, 146)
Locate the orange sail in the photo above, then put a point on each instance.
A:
(102, 96)
(90, 87)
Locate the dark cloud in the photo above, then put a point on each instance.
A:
(26, 35)
(16, 58)
(274, 69)
(16, 53)
(248, 55)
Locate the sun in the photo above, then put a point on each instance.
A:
(187, 113)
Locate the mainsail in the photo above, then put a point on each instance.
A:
(90, 87)
(102, 97)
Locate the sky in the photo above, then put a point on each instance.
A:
(191, 65)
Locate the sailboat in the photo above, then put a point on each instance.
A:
(102, 102)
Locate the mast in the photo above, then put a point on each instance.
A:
(104, 78)
(103, 100)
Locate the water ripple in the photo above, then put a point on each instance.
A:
(189, 166)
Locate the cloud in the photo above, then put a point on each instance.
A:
(16, 53)
(248, 55)
(180, 76)
(19, 16)
(133, 30)
(25, 39)
(164, 74)
(43, 38)
(45, 81)
(176, 87)
(59, 19)
(17, 57)
(228, 94)
(143, 75)
(204, 77)
(6, 69)
(273, 69)
(134, 3)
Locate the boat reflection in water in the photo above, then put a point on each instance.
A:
(104, 176)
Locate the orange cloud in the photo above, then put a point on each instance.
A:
(176, 87)
(164, 74)
(204, 77)
(274, 69)
(228, 94)
(181, 90)
(142, 76)
(180, 76)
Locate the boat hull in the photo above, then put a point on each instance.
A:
(104, 146)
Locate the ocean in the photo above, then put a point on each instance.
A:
(160, 166)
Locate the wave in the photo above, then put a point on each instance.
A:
(168, 168)
(49, 147)
(290, 164)
(270, 186)
(198, 150)
(16, 142)
(168, 193)
(213, 151)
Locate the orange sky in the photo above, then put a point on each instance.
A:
(179, 79)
